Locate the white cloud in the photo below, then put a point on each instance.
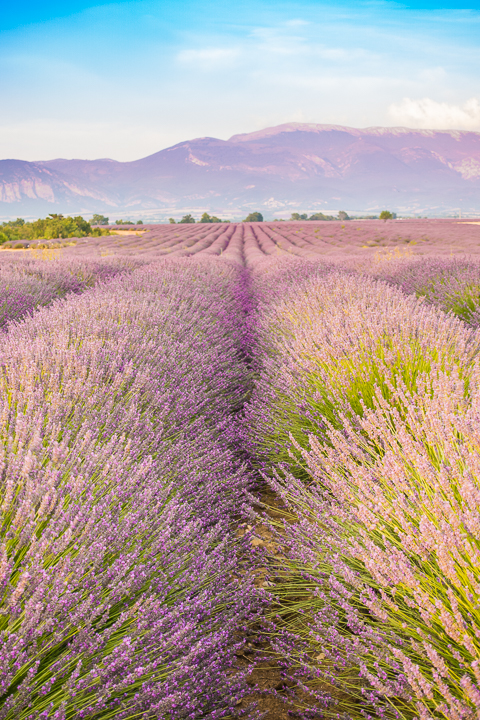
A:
(427, 113)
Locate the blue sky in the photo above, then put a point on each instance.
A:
(126, 79)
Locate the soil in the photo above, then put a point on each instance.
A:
(275, 696)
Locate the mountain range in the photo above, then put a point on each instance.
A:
(291, 167)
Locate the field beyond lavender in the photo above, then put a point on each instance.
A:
(241, 473)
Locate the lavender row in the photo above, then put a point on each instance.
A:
(450, 283)
(120, 578)
(28, 284)
(365, 421)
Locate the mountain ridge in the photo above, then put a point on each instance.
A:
(287, 167)
(319, 127)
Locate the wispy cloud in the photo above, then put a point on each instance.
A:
(427, 113)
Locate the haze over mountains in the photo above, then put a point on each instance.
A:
(278, 170)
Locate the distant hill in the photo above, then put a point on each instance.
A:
(296, 166)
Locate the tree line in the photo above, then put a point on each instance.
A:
(206, 218)
(343, 216)
(258, 217)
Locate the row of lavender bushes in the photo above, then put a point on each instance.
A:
(450, 283)
(121, 579)
(26, 284)
(365, 420)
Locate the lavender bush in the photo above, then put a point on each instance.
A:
(327, 348)
(275, 279)
(363, 416)
(453, 284)
(395, 507)
(120, 576)
(28, 284)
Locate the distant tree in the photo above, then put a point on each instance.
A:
(297, 216)
(342, 215)
(321, 216)
(57, 226)
(99, 220)
(385, 215)
(139, 222)
(82, 224)
(254, 217)
(12, 229)
(52, 227)
(187, 219)
(124, 222)
(206, 218)
(172, 221)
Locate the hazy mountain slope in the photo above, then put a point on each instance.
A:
(292, 166)
(36, 187)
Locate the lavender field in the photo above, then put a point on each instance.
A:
(241, 473)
